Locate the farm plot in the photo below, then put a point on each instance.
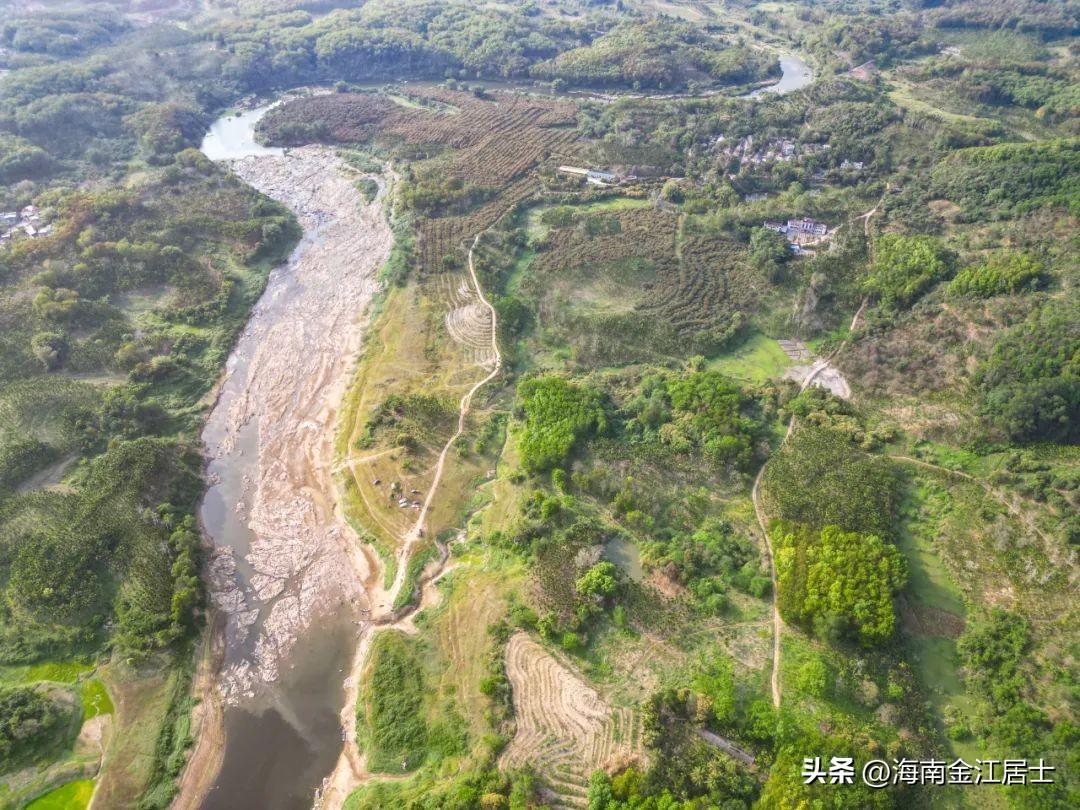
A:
(493, 142)
(465, 162)
(565, 730)
(604, 279)
(702, 290)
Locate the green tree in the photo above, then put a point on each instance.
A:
(769, 252)
(558, 413)
(905, 267)
(599, 582)
(837, 583)
(1002, 274)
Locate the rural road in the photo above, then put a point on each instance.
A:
(755, 492)
(350, 770)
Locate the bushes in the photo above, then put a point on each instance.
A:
(819, 479)
(699, 412)
(391, 713)
(905, 267)
(20, 458)
(707, 561)
(708, 413)
(29, 722)
(656, 53)
(21, 160)
(1005, 180)
(1030, 383)
(54, 574)
(992, 651)
(558, 413)
(413, 419)
(769, 252)
(836, 583)
(1002, 274)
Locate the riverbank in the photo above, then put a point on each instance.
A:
(285, 568)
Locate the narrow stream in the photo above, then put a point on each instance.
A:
(284, 688)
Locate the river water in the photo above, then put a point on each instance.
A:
(287, 586)
(796, 74)
(232, 137)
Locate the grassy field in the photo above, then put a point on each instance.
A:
(408, 351)
(49, 671)
(757, 360)
(95, 699)
(72, 796)
(906, 95)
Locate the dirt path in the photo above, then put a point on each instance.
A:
(351, 770)
(463, 411)
(819, 367)
(1010, 507)
(727, 746)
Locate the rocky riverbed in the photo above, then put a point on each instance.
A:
(283, 387)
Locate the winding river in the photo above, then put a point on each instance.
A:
(796, 75)
(285, 572)
(286, 575)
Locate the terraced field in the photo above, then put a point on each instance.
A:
(703, 288)
(468, 321)
(492, 142)
(565, 729)
(607, 276)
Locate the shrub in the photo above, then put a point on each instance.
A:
(821, 479)
(905, 267)
(1031, 381)
(28, 722)
(391, 713)
(558, 413)
(999, 275)
(837, 583)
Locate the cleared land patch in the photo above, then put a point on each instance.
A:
(565, 729)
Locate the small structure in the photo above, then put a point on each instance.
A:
(807, 225)
(573, 170)
(594, 176)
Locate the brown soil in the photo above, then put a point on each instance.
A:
(565, 729)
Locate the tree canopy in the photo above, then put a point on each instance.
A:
(557, 414)
(836, 583)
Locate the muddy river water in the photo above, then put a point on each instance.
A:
(286, 571)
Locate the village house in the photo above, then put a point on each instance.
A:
(595, 176)
(807, 225)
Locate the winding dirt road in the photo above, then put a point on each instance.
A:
(755, 493)
(351, 770)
